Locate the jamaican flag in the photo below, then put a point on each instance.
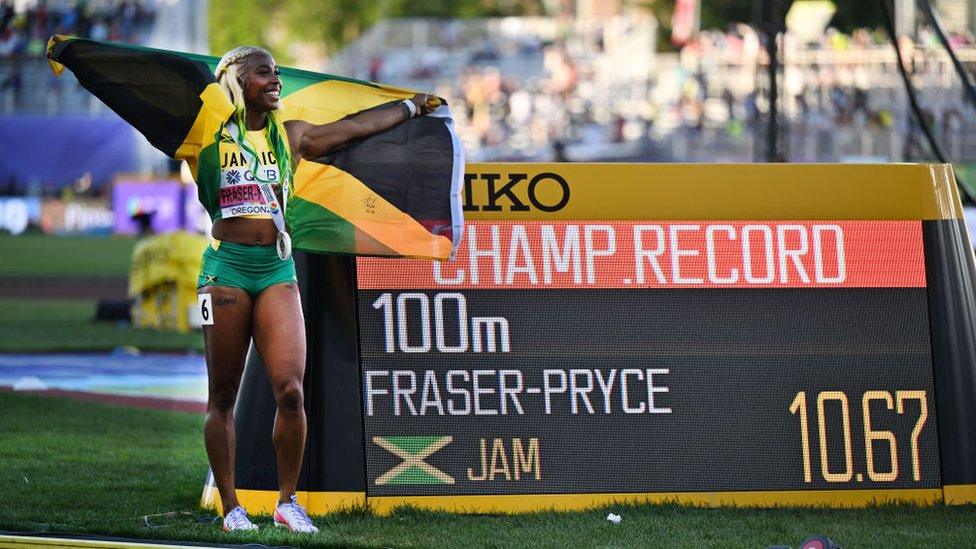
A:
(395, 193)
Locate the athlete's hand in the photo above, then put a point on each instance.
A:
(425, 103)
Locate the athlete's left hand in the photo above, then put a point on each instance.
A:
(426, 103)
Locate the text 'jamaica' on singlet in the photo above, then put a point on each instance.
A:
(239, 194)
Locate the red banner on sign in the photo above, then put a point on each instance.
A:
(678, 254)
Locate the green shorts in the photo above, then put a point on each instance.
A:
(250, 268)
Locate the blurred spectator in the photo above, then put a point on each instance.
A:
(9, 43)
(12, 82)
(375, 66)
(6, 15)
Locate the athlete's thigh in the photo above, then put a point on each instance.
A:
(279, 332)
(228, 336)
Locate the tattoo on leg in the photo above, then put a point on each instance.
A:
(221, 301)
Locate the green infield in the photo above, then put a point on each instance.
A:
(68, 325)
(45, 256)
(75, 467)
(37, 323)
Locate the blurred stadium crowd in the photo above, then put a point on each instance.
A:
(840, 95)
(553, 88)
(26, 32)
(25, 85)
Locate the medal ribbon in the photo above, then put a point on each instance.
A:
(277, 214)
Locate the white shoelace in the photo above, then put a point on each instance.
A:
(297, 517)
(237, 519)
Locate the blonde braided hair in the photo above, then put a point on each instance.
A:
(230, 73)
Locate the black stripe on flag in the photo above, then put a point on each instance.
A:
(158, 93)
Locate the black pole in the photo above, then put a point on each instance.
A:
(933, 20)
(913, 100)
(770, 21)
(773, 23)
(909, 88)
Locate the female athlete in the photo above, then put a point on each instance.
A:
(248, 276)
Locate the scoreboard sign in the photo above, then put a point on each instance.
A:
(762, 338)
(748, 335)
(628, 356)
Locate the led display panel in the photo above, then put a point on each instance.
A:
(596, 357)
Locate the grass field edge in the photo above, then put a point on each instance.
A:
(323, 503)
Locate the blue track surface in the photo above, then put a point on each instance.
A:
(170, 376)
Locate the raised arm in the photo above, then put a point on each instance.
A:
(312, 141)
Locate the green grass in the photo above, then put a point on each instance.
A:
(65, 325)
(77, 467)
(44, 256)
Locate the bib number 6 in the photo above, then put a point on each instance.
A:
(205, 306)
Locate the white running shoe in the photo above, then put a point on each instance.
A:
(237, 519)
(293, 516)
